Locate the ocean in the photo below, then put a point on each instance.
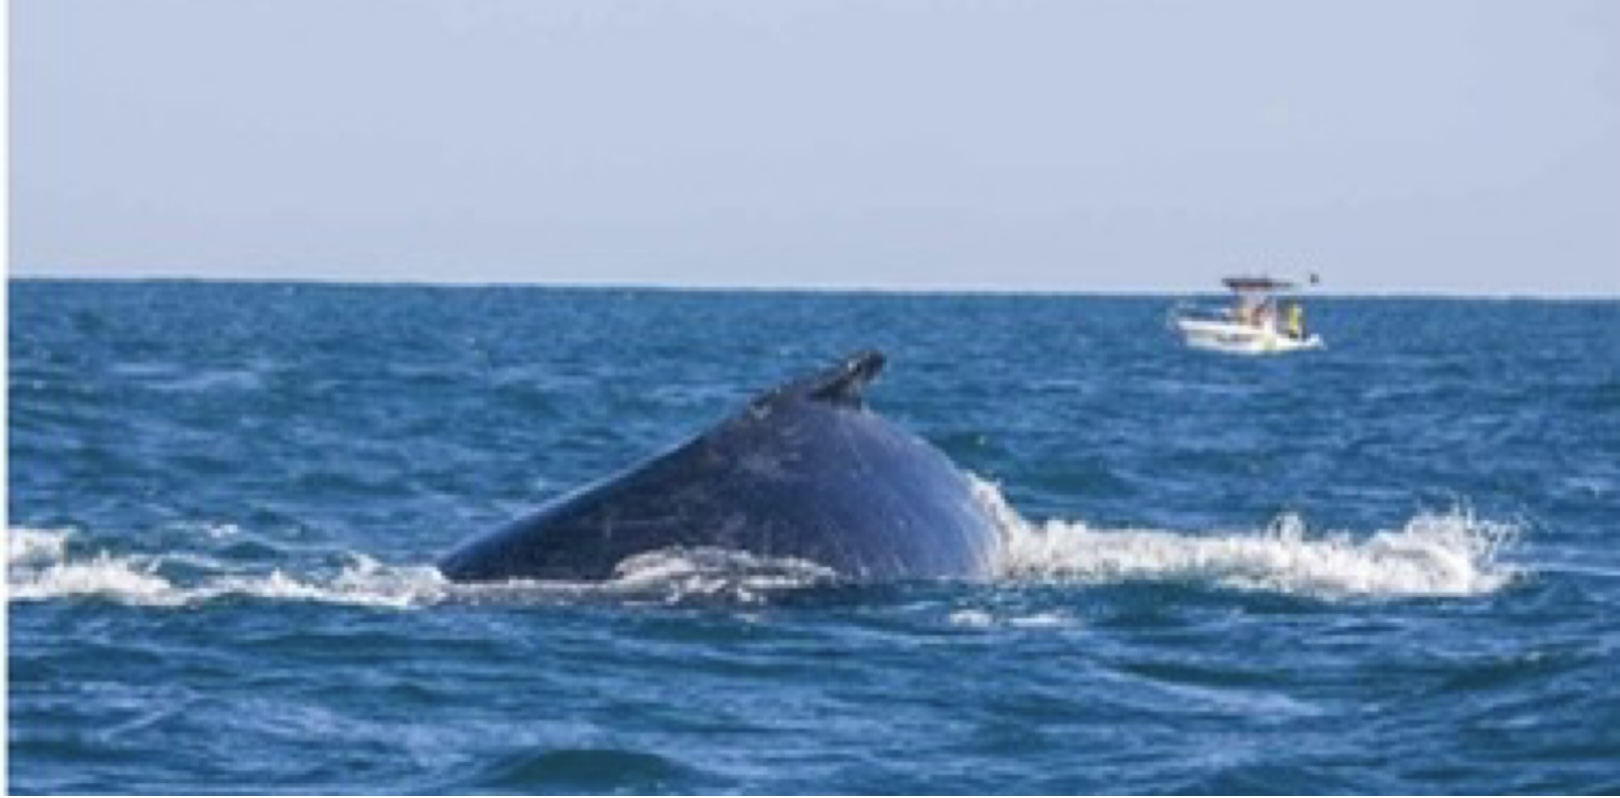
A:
(1388, 566)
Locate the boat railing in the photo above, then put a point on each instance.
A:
(1194, 311)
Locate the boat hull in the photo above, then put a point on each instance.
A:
(1241, 339)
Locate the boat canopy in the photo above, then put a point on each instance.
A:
(1257, 284)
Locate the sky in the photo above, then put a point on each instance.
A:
(1074, 145)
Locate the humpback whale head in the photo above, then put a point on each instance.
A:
(843, 384)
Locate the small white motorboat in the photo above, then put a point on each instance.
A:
(1254, 324)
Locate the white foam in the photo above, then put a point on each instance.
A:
(1433, 554)
(975, 619)
(102, 575)
(26, 545)
(365, 583)
(42, 568)
(1453, 553)
(679, 574)
(984, 619)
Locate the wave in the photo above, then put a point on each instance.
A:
(28, 546)
(43, 565)
(1447, 554)
(1435, 554)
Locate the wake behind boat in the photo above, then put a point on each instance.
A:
(1254, 324)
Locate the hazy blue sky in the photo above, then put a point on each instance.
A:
(1074, 144)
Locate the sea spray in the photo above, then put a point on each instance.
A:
(44, 566)
(1453, 553)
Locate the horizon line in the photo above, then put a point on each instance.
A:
(806, 288)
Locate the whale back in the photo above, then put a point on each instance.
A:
(805, 471)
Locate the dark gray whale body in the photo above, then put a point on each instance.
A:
(804, 471)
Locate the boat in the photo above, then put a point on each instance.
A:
(1255, 323)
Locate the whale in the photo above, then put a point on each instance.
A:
(804, 472)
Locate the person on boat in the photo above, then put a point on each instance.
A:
(1251, 313)
(1296, 321)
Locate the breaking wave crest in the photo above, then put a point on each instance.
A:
(1452, 553)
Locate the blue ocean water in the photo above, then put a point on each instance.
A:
(1388, 566)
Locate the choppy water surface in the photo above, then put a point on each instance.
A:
(1389, 566)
